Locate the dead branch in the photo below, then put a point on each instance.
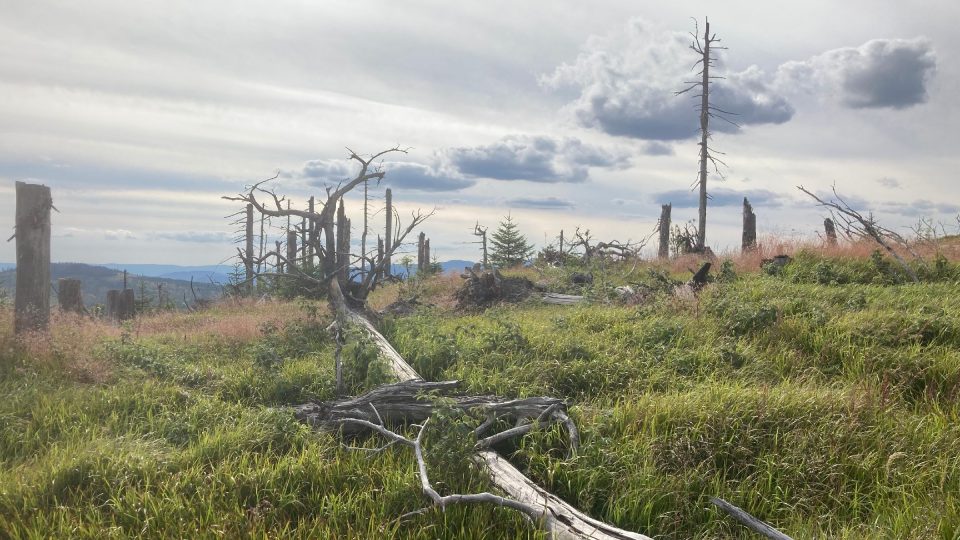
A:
(856, 225)
(760, 527)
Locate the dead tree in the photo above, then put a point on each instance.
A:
(703, 48)
(248, 253)
(32, 232)
(749, 237)
(69, 295)
(291, 250)
(481, 232)
(560, 519)
(421, 241)
(388, 236)
(663, 227)
(324, 222)
(856, 225)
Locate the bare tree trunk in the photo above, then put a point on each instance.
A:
(126, 305)
(426, 255)
(32, 302)
(291, 250)
(663, 250)
(343, 245)
(388, 238)
(363, 235)
(248, 255)
(704, 135)
(380, 255)
(749, 237)
(113, 303)
(312, 236)
(69, 295)
(420, 240)
(831, 231)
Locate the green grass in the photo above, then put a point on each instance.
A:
(829, 410)
(823, 400)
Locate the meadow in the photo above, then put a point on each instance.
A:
(821, 398)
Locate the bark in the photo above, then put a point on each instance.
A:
(754, 524)
(663, 250)
(749, 237)
(388, 235)
(69, 295)
(291, 250)
(32, 298)
(248, 254)
(704, 137)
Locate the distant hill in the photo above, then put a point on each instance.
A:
(219, 273)
(97, 280)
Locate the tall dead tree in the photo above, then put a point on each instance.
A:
(311, 234)
(703, 47)
(343, 244)
(32, 222)
(663, 227)
(248, 253)
(749, 237)
(388, 238)
(291, 250)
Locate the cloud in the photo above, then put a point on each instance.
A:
(919, 208)
(881, 73)
(657, 148)
(118, 234)
(407, 175)
(203, 237)
(682, 198)
(542, 203)
(627, 81)
(889, 182)
(533, 158)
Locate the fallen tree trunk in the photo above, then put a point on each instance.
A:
(560, 519)
(562, 299)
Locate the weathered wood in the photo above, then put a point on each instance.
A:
(343, 245)
(388, 235)
(291, 251)
(248, 254)
(749, 236)
(663, 250)
(32, 222)
(562, 299)
(699, 278)
(420, 241)
(113, 303)
(426, 255)
(760, 527)
(561, 520)
(831, 231)
(69, 295)
(311, 234)
(126, 305)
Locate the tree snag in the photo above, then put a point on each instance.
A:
(32, 233)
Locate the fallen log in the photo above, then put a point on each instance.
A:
(560, 519)
(760, 527)
(562, 299)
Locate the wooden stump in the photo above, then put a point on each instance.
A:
(126, 305)
(113, 303)
(664, 249)
(831, 231)
(749, 239)
(291, 251)
(32, 302)
(69, 295)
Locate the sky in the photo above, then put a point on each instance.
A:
(141, 115)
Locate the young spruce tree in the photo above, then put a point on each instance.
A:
(510, 248)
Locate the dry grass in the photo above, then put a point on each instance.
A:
(71, 346)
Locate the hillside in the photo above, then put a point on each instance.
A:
(820, 397)
(97, 280)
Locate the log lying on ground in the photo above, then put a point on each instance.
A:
(760, 527)
(560, 519)
(562, 299)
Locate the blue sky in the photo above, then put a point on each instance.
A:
(140, 115)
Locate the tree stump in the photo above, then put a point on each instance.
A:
(749, 239)
(126, 305)
(32, 302)
(69, 295)
(663, 250)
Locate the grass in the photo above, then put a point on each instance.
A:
(823, 399)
